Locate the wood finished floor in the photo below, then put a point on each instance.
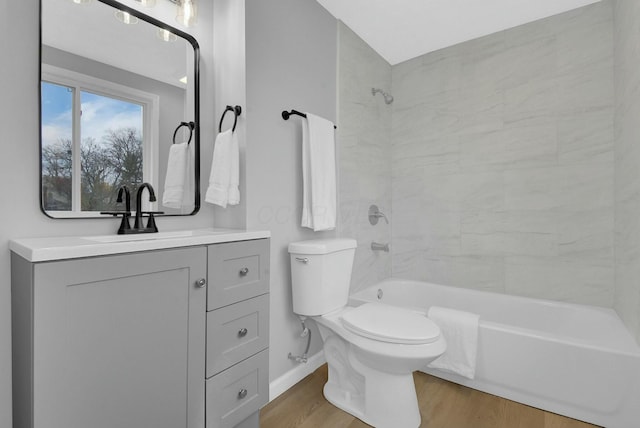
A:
(442, 405)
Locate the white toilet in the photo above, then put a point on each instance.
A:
(373, 349)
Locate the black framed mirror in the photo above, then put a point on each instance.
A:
(117, 88)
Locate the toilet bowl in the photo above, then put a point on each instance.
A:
(372, 349)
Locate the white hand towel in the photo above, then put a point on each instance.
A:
(318, 174)
(234, 171)
(218, 191)
(460, 330)
(178, 186)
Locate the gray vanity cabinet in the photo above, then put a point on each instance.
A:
(237, 373)
(110, 342)
(169, 338)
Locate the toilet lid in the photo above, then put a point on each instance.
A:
(390, 324)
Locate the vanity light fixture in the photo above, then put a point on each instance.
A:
(126, 18)
(187, 14)
(166, 35)
(81, 1)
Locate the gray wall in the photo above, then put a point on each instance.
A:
(230, 84)
(291, 63)
(19, 172)
(627, 162)
(365, 170)
(503, 161)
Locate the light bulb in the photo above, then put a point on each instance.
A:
(126, 17)
(187, 13)
(166, 35)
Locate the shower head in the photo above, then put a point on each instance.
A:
(388, 98)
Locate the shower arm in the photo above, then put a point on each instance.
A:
(388, 98)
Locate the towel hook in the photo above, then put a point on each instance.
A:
(190, 125)
(237, 111)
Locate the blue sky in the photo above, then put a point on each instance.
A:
(99, 114)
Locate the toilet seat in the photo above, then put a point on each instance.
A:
(390, 324)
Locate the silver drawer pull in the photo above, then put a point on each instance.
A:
(302, 260)
(242, 332)
(242, 394)
(244, 271)
(201, 283)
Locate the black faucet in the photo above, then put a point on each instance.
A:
(124, 225)
(151, 223)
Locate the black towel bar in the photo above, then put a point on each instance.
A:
(287, 114)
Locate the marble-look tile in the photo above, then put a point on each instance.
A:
(509, 244)
(586, 236)
(627, 231)
(592, 88)
(539, 97)
(527, 61)
(480, 189)
(421, 151)
(517, 145)
(479, 273)
(586, 137)
(438, 121)
(497, 160)
(549, 278)
(365, 152)
(627, 296)
(595, 42)
(627, 159)
(481, 109)
(508, 233)
(408, 263)
(571, 188)
(484, 221)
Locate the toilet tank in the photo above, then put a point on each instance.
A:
(321, 274)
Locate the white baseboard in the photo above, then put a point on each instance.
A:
(295, 375)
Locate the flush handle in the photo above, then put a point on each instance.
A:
(302, 260)
(242, 332)
(242, 394)
(201, 283)
(244, 271)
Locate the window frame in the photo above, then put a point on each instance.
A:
(150, 126)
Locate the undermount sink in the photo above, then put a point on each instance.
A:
(145, 236)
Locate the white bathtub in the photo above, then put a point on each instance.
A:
(578, 361)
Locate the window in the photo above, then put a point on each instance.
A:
(95, 138)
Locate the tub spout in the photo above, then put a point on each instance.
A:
(376, 246)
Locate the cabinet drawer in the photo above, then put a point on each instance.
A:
(236, 332)
(237, 392)
(237, 271)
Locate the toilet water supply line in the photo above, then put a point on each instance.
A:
(305, 332)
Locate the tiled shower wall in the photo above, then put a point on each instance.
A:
(503, 161)
(364, 132)
(627, 162)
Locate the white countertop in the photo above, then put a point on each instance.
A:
(72, 247)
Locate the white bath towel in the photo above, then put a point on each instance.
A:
(318, 173)
(178, 185)
(224, 177)
(460, 330)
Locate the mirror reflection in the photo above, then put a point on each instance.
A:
(115, 87)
